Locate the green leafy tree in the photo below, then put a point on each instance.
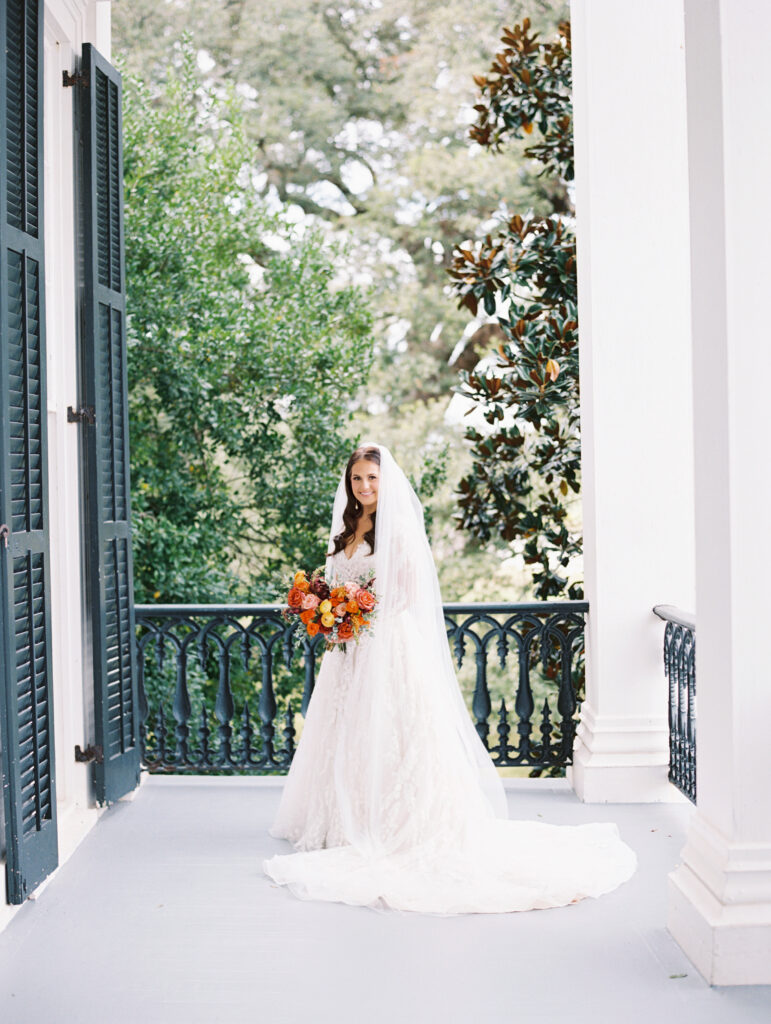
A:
(245, 354)
(357, 114)
(526, 456)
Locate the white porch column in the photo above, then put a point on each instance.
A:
(720, 897)
(636, 414)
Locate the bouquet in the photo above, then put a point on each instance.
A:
(339, 613)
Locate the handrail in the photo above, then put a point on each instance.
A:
(671, 613)
(182, 610)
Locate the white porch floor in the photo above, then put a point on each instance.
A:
(163, 915)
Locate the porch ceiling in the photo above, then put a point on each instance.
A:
(163, 915)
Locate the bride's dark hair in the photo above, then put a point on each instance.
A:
(353, 509)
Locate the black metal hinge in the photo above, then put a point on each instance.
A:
(85, 414)
(79, 78)
(91, 753)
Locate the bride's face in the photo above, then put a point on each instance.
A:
(365, 478)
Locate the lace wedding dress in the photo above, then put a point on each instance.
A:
(391, 801)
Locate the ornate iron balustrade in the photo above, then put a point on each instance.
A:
(204, 669)
(680, 668)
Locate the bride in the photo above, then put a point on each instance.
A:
(392, 801)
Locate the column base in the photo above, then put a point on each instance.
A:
(720, 907)
(621, 760)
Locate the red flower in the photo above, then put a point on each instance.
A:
(320, 588)
(345, 631)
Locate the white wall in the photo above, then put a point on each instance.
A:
(636, 412)
(68, 23)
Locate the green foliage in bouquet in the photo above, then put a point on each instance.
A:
(526, 460)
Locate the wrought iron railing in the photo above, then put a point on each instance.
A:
(221, 686)
(680, 668)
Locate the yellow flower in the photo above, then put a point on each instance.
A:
(156, 595)
(325, 606)
(327, 619)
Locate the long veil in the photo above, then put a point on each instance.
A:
(408, 636)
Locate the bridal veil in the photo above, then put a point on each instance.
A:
(409, 613)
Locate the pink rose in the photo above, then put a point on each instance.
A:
(365, 600)
(351, 588)
(339, 610)
(310, 601)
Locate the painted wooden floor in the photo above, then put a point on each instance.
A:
(163, 915)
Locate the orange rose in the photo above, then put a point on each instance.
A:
(295, 598)
(365, 600)
(313, 628)
(301, 582)
(338, 594)
(352, 607)
(307, 616)
(345, 631)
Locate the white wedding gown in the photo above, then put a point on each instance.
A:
(444, 850)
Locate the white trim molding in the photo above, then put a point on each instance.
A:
(720, 906)
(622, 759)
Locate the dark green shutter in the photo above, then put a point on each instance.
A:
(26, 709)
(111, 603)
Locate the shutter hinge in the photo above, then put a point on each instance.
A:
(79, 78)
(85, 414)
(91, 753)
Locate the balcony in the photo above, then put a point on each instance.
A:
(222, 688)
(163, 915)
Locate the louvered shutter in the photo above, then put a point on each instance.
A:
(106, 448)
(26, 711)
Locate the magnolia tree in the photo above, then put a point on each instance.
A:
(526, 458)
